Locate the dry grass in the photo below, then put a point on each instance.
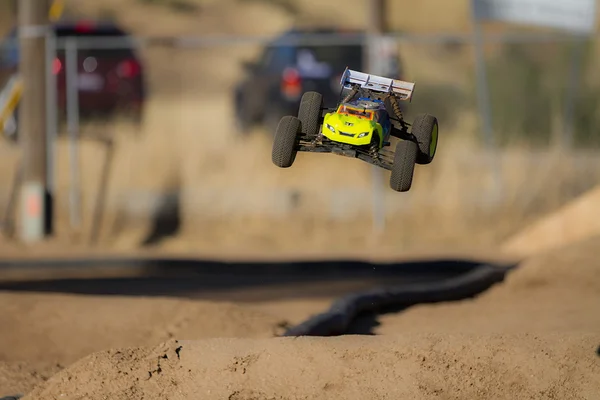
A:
(231, 193)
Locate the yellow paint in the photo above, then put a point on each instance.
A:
(56, 10)
(362, 128)
(434, 140)
(13, 100)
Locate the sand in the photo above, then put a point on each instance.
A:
(43, 333)
(566, 225)
(64, 328)
(22, 377)
(395, 367)
(558, 291)
(535, 336)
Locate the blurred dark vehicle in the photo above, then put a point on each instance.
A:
(274, 84)
(110, 81)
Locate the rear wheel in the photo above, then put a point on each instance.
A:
(285, 142)
(243, 123)
(244, 115)
(425, 131)
(309, 113)
(272, 118)
(403, 168)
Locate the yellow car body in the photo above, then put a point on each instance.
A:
(352, 125)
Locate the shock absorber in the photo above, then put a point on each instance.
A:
(350, 95)
(396, 107)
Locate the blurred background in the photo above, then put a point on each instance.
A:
(163, 129)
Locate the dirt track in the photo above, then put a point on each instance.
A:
(555, 292)
(535, 335)
(393, 367)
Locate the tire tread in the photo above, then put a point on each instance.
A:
(284, 149)
(422, 129)
(403, 168)
(310, 113)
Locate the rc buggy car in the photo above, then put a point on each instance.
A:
(361, 126)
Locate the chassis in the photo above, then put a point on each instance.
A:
(416, 143)
(382, 158)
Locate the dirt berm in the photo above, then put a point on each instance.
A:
(536, 336)
(351, 367)
(64, 328)
(564, 226)
(557, 291)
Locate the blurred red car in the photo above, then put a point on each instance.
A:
(109, 80)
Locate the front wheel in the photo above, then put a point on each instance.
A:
(309, 113)
(425, 131)
(285, 142)
(403, 168)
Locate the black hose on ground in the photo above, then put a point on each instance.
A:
(344, 311)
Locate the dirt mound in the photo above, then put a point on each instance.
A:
(20, 377)
(567, 225)
(556, 291)
(574, 268)
(351, 367)
(64, 328)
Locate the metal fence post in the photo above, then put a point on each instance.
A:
(377, 175)
(376, 28)
(51, 125)
(577, 54)
(483, 100)
(72, 91)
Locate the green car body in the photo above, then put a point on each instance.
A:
(356, 125)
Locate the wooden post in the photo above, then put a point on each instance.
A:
(33, 20)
